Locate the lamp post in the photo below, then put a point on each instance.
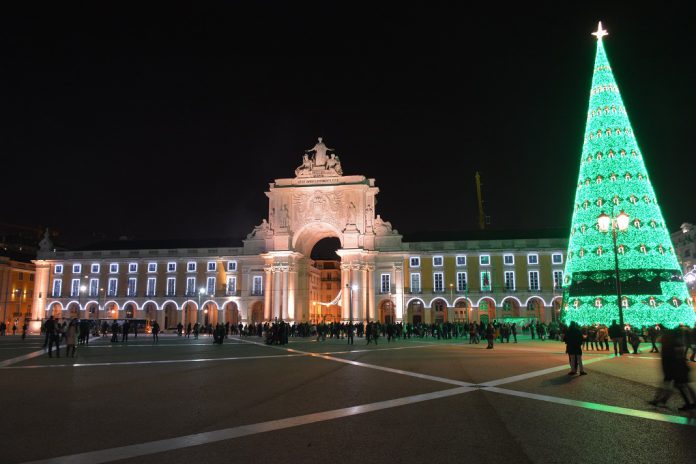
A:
(201, 292)
(452, 299)
(620, 222)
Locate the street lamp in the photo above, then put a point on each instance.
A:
(201, 292)
(452, 299)
(620, 222)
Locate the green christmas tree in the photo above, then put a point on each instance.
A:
(615, 198)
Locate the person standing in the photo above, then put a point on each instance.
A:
(654, 334)
(490, 336)
(513, 329)
(573, 341)
(70, 337)
(125, 329)
(616, 335)
(155, 332)
(50, 328)
(350, 330)
(24, 331)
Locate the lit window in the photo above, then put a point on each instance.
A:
(113, 268)
(231, 285)
(534, 280)
(557, 258)
(415, 261)
(151, 286)
(509, 280)
(171, 267)
(437, 261)
(212, 266)
(211, 286)
(385, 280)
(57, 288)
(191, 266)
(415, 282)
(461, 260)
(532, 258)
(461, 281)
(257, 288)
(132, 282)
(484, 260)
(93, 287)
(75, 287)
(76, 268)
(231, 266)
(171, 286)
(58, 269)
(509, 260)
(132, 267)
(190, 286)
(485, 281)
(113, 287)
(95, 268)
(151, 267)
(438, 282)
(557, 279)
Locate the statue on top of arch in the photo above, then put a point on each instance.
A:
(320, 164)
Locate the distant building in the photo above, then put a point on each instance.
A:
(270, 275)
(16, 291)
(685, 246)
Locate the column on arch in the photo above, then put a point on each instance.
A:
(345, 288)
(267, 289)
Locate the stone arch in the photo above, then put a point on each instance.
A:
(387, 313)
(130, 308)
(150, 310)
(415, 311)
(190, 309)
(209, 313)
(111, 309)
(439, 309)
(462, 307)
(73, 310)
(92, 310)
(171, 314)
(304, 239)
(486, 309)
(54, 309)
(511, 306)
(256, 312)
(231, 310)
(535, 308)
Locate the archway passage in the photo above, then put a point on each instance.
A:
(511, 308)
(232, 313)
(257, 312)
(324, 281)
(130, 310)
(439, 308)
(73, 310)
(487, 309)
(387, 314)
(91, 311)
(461, 310)
(171, 315)
(414, 312)
(150, 310)
(534, 308)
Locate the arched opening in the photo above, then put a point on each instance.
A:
(439, 308)
(210, 313)
(130, 309)
(556, 306)
(511, 308)
(231, 313)
(55, 309)
(73, 310)
(111, 310)
(171, 316)
(325, 282)
(150, 310)
(257, 312)
(534, 306)
(92, 310)
(486, 310)
(190, 310)
(461, 310)
(387, 313)
(414, 312)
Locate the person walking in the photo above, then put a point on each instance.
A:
(676, 371)
(573, 341)
(70, 338)
(654, 334)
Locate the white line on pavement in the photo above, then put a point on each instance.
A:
(170, 444)
(599, 407)
(529, 375)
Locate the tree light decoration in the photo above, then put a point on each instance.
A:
(614, 195)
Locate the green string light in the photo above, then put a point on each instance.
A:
(613, 178)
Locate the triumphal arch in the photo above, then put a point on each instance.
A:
(320, 202)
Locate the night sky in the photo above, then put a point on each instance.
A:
(169, 122)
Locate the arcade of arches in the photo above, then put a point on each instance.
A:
(373, 275)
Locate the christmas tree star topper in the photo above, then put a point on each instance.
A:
(599, 33)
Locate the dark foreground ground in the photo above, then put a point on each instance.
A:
(187, 400)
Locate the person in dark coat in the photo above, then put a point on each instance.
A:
(573, 341)
(616, 333)
(676, 370)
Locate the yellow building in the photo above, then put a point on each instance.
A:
(16, 292)
(270, 275)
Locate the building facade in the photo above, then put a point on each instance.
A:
(271, 276)
(16, 291)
